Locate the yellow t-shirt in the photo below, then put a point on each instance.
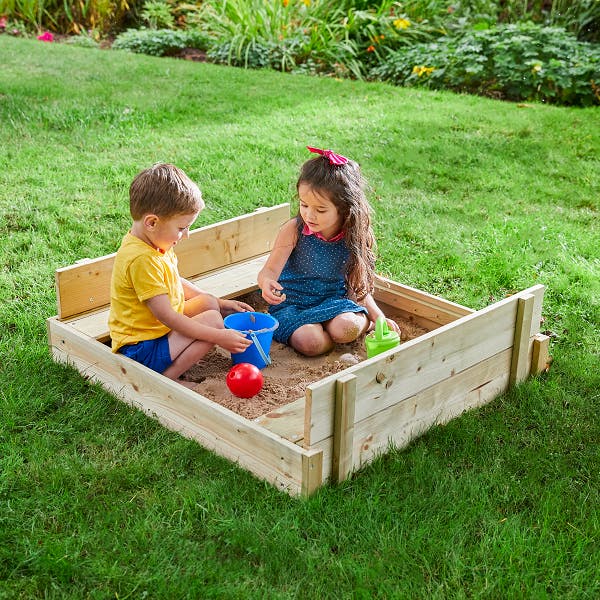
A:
(139, 273)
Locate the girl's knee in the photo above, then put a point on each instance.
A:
(311, 340)
(347, 327)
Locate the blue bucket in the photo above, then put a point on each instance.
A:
(258, 327)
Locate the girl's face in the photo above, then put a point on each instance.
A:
(319, 212)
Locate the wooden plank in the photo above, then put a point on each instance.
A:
(86, 286)
(343, 428)
(518, 368)
(407, 369)
(94, 325)
(540, 358)
(418, 305)
(258, 450)
(228, 242)
(233, 280)
(286, 421)
(229, 282)
(401, 423)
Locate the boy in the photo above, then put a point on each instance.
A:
(156, 317)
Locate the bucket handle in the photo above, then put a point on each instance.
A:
(262, 353)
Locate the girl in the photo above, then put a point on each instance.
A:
(318, 279)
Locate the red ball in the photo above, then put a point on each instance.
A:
(244, 380)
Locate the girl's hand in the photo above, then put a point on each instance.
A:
(228, 307)
(272, 292)
(392, 325)
(232, 340)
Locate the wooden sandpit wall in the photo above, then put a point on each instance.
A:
(466, 359)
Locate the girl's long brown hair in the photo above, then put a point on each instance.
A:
(345, 187)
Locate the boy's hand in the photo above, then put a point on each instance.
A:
(233, 340)
(228, 307)
(272, 292)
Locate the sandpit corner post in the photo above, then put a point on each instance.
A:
(312, 472)
(343, 427)
(540, 356)
(530, 348)
(524, 317)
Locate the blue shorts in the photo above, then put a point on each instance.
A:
(154, 354)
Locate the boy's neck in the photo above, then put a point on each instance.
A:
(137, 231)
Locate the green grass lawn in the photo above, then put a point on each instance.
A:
(473, 199)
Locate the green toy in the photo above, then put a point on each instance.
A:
(381, 339)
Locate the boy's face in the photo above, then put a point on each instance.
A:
(164, 232)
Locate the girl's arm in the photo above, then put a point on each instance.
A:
(229, 339)
(286, 239)
(375, 312)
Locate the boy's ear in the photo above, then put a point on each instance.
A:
(150, 221)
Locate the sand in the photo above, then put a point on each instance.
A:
(285, 380)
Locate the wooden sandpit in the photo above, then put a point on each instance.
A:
(316, 419)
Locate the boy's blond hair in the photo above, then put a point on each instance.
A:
(165, 191)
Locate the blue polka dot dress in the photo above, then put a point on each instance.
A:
(314, 286)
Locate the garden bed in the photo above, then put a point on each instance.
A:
(317, 419)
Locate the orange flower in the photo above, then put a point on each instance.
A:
(371, 48)
(286, 2)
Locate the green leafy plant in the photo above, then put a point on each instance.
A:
(12, 27)
(282, 35)
(514, 62)
(85, 40)
(30, 13)
(581, 17)
(392, 25)
(159, 42)
(70, 16)
(157, 15)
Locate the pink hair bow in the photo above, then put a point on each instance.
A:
(334, 159)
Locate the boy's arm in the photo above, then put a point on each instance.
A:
(190, 289)
(267, 277)
(229, 339)
(226, 307)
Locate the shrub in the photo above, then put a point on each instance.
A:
(70, 16)
(282, 35)
(393, 25)
(83, 40)
(159, 42)
(514, 62)
(581, 18)
(157, 15)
